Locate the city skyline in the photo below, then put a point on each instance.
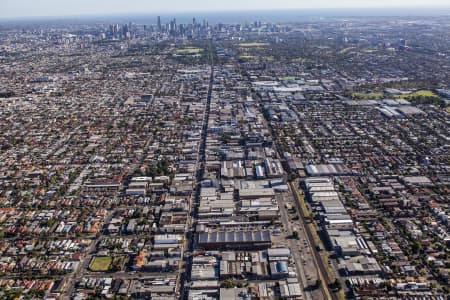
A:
(54, 8)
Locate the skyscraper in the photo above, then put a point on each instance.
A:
(159, 24)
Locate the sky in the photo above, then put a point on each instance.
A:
(39, 8)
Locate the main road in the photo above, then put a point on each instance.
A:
(200, 169)
(293, 245)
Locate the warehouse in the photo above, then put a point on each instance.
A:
(327, 170)
(235, 240)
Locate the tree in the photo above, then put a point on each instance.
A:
(228, 284)
(50, 222)
(336, 285)
(292, 176)
(416, 247)
(318, 283)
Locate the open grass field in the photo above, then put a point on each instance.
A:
(424, 93)
(368, 51)
(419, 93)
(346, 50)
(248, 57)
(256, 57)
(368, 96)
(100, 263)
(189, 50)
(267, 58)
(254, 44)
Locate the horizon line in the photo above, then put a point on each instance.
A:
(166, 12)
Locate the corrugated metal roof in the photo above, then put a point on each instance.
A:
(234, 237)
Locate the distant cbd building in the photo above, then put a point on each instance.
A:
(158, 24)
(403, 44)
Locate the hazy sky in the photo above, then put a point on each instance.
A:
(27, 8)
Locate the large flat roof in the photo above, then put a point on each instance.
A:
(234, 237)
(327, 169)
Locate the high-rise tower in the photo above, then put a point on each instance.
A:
(158, 24)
